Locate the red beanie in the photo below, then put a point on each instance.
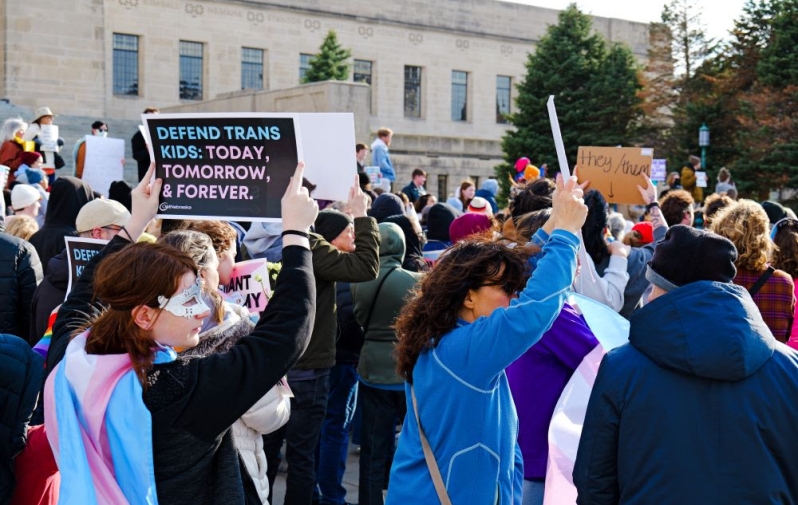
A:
(646, 230)
(29, 158)
(468, 224)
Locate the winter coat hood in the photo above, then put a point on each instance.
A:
(392, 243)
(439, 218)
(682, 331)
(386, 205)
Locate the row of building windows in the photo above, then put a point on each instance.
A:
(126, 77)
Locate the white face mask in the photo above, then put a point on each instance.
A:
(186, 304)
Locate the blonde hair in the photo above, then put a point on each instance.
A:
(746, 224)
(21, 226)
(384, 132)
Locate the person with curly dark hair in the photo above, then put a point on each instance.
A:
(714, 204)
(474, 314)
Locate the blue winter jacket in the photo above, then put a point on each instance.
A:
(699, 407)
(464, 400)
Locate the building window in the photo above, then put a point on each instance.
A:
(190, 70)
(361, 71)
(126, 64)
(251, 68)
(412, 91)
(304, 65)
(503, 87)
(475, 178)
(459, 94)
(443, 187)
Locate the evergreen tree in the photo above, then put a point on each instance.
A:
(332, 62)
(595, 89)
(690, 43)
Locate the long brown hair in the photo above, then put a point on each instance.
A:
(434, 306)
(134, 276)
(786, 240)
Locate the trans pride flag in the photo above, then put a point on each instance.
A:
(611, 330)
(99, 428)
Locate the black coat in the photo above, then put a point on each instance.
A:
(140, 153)
(350, 333)
(21, 372)
(67, 196)
(20, 273)
(49, 295)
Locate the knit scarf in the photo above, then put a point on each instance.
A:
(99, 428)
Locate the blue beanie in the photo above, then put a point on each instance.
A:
(34, 176)
(491, 185)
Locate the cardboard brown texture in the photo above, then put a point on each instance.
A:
(615, 171)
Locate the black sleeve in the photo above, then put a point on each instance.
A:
(227, 385)
(29, 275)
(78, 306)
(139, 148)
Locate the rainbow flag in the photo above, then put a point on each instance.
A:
(43, 345)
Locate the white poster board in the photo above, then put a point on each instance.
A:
(701, 179)
(658, 169)
(103, 163)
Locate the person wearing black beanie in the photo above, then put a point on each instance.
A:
(697, 404)
(439, 219)
(386, 205)
(330, 223)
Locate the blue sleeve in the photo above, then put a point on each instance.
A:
(478, 352)
(382, 160)
(518, 476)
(539, 239)
(596, 468)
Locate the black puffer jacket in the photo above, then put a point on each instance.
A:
(20, 273)
(21, 372)
(350, 333)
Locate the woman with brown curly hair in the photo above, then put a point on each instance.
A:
(785, 236)
(475, 313)
(746, 225)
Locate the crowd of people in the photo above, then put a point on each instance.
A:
(450, 323)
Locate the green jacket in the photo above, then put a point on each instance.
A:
(331, 265)
(377, 364)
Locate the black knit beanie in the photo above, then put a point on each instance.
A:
(688, 255)
(330, 223)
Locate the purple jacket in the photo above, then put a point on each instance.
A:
(537, 379)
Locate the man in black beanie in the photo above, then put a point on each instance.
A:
(344, 250)
(699, 406)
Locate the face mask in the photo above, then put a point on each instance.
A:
(186, 304)
(101, 133)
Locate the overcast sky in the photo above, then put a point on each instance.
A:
(717, 15)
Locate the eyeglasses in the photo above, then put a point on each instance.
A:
(507, 286)
(112, 228)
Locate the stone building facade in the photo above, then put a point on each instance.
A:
(435, 68)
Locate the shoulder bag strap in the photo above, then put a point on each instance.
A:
(434, 471)
(761, 281)
(374, 301)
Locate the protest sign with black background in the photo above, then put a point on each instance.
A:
(79, 251)
(230, 166)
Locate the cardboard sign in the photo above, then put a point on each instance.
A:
(249, 285)
(237, 166)
(615, 171)
(79, 251)
(103, 164)
(659, 169)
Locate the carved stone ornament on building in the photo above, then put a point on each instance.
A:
(194, 9)
(255, 17)
(365, 31)
(415, 38)
(129, 4)
(462, 44)
(312, 24)
(506, 50)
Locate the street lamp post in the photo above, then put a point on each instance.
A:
(703, 142)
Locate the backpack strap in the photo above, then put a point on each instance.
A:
(761, 281)
(374, 302)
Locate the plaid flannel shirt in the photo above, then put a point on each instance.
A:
(776, 300)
